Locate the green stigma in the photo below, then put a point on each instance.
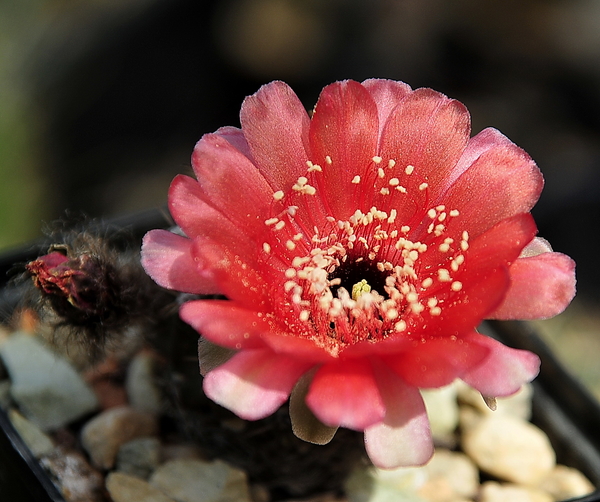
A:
(359, 289)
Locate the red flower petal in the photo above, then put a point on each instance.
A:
(167, 258)
(403, 437)
(387, 94)
(484, 278)
(224, 323)
(507, 176)
(253, 383)
(504, 371)
(437, 362)
(221, 171)
(345, 393)
(344, 128)
(428, 131)
(481, 295)
(483, 141)
(500, 245)
(542, 286)
(302, 348)
(198, 219)
(236, 278)
(235, 136)
(275, 124)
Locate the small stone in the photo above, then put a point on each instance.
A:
(142, 390)
(469, 417)
(107, 432)
(517, 405)
(566, 483)
(139, 457)
(76, 479)
(38, 443)
(46, 387)
(378, 485)
(496, 492)
(198, 481)
(442, 409)
(510, 449)
(450, 476)
(126, 488)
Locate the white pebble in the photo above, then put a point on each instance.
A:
(497, 492)
(442, 409)
(185, 479)
(510, 449)
(566, 483)
(452, 474)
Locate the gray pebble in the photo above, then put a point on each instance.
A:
(139, 457)
(77, 480)
(38, 443)
(45, 386)
(142, 391)
(107, 432)
(126, 488)
(188, 480)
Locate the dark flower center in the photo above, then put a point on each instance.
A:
(351, 273)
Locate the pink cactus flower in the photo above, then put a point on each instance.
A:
(359, 248)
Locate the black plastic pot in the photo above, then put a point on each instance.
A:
(562, 407)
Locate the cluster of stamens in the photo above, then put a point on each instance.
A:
(405, 279)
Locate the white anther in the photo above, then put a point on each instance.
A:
(444, 247)
(435, 311)
(427, 282)
(444, 275)
(456, 286)
(392, 218)
(400, 326)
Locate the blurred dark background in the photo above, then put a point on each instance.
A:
(101, 102)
